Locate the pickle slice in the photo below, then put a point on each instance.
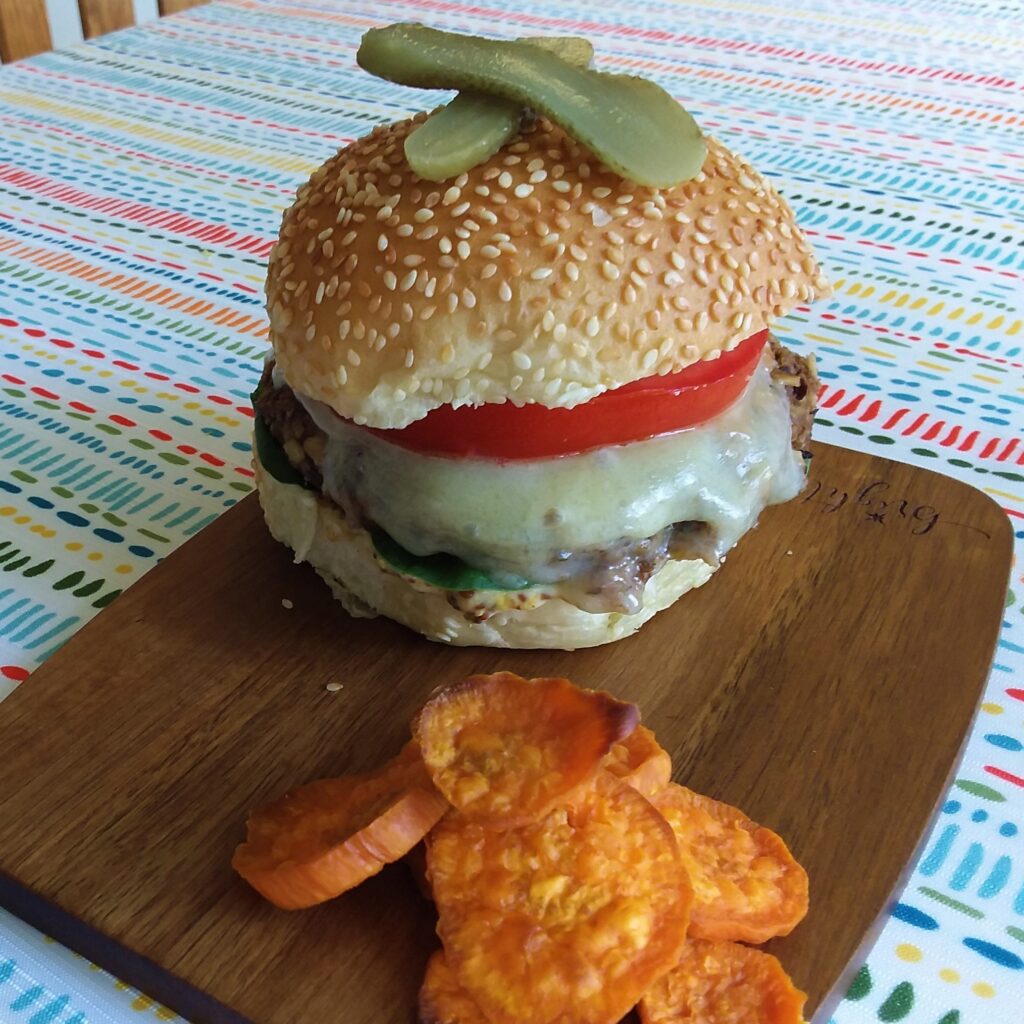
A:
(475, 125)
(631, 124)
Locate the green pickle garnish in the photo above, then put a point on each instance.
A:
(475, 125)
(629, 123)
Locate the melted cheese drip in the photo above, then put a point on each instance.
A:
(527, 519)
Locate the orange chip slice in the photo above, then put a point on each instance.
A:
(641, 761)
(507, 749)
(747, 886)
(320, 840)
(569, 918)
(442, 999)
(723, 983)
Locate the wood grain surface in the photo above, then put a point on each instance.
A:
(177, 6)
(24, 30)
(822, 681)
(102, 16)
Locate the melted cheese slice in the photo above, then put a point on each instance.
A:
(527, 519)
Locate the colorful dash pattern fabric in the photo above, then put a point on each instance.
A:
(141, 181)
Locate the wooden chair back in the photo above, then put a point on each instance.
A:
(25, 28)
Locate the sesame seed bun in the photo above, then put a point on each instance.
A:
(316, 530)
(539, 276)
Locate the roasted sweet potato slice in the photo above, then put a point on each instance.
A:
(442, 999)
(569, 918)
(324, 838)
(506, 750)
(747, 886)
(641, 761)
(723, 983)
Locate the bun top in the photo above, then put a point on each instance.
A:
(538, 276)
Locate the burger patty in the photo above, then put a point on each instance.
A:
(800, 378)
(610, 578)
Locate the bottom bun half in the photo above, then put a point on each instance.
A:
(344, 556)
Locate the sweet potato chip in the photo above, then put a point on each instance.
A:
(442, 999)
(569, 918)
(506, 750)
(747, 886)
(641, 761)
(320, 840)
(723, 983)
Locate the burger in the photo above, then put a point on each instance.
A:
(535, 403)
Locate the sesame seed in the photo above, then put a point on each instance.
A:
(403, 230)
(538, 176)
(522, 191)
(489, 270)
(353, 357)
(578, 253)
(430, 287)
(408, 280)
(325, 234)
(637, 279)
(390, 281)
(610, 271)
(445, 245)
(561, 186)
(504, 180)
(491, 252)
(540, 273)
(447, 353)
(504, 292)
(468, 298)
(320, 289)
(458, 211)
(521, 360)
(311, 332)
(422, 215)
(462, 250)
(452, 302)
(382, 242)
(572, 271)
(592, 327)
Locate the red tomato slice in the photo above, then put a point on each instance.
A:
(633, 412)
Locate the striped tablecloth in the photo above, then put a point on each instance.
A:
(141, 181)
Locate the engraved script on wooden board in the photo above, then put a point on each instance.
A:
(843, 646)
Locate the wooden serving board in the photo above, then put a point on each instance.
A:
(823, 681)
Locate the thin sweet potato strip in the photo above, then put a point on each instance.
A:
(747, 885)
(641, 761)
(723, 983)
(567, 919)
(507, 750)
(442, 999)
(317, 841)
